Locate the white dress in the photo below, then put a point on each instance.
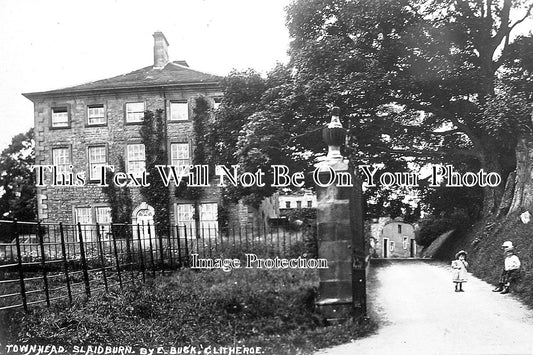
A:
(459, 270)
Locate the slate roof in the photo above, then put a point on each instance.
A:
(174, 73)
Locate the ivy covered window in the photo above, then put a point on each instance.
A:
(180, 154)
(136, 163)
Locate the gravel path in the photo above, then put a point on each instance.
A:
(419, 313)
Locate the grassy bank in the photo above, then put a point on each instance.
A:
(485, 258)
(271, 309)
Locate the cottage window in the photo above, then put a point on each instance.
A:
(180, 154)
(97, 159)
(136, 159)
(61, 159)
(60, 117)
(95, 114)
(405, 242)
(179, 111)
(399, 229)
(298, 204)
(135, 112)
(309, 204)
(287, 204)
(391, 246)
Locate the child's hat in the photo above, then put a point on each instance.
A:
(461, 252)
(507, 245)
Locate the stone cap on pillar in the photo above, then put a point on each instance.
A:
(334, 136)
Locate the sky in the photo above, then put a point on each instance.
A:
(59, 43)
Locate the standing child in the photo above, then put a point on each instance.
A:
(459, 266)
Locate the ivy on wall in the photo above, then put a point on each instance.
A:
(202, 155)
(153, 135)
(119, 198)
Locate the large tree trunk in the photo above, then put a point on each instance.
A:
(507, 198)
(492, 196)
(523, 191)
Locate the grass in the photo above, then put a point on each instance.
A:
(273, 309)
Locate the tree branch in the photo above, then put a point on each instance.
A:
(504, 29)
(303, 134)
(528, 13)
(430, 153)
(447, 133)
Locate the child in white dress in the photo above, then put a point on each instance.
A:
(459, 266)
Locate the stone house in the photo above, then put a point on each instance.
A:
(296, 200)
(81, 128)
(392, 238)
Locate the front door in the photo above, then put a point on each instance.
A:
(413, 248)
(385, 247)
(143, 217)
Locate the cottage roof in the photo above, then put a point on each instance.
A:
(175, 73)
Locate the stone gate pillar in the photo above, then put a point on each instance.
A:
(342, 289)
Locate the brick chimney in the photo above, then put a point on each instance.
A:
(160, 50)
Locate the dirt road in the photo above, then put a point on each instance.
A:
(420, 313)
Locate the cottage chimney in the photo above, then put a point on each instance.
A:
(160, 50)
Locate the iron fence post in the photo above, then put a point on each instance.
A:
(101, 252)
(161, 253)
(65, 263)
(43, 264)
(151, 248)
(179, 246)
(141, 252)
(170, 248)
(186, 247)
(129, 259)
(21, 272)
(117, 260)
(84, 262)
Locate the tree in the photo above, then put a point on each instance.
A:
(509, 115)
(17, 185)
(242, 96)
(419, 72)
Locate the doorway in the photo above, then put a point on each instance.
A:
(412, 248)
(385, 247)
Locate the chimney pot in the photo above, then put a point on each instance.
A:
(160, 50)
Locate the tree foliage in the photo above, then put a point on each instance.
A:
(17, 185)
(242, 94)
(419, 74)
(416, 82)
